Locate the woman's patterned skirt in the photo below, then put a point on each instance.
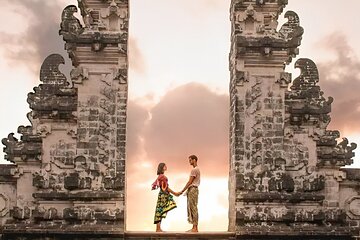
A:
(164, 204)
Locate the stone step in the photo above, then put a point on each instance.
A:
(180, 235)
(224, 236)
(130, 235)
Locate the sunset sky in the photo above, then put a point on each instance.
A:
(178, 88)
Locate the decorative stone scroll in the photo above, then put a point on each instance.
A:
(54, 98)
(306, 101)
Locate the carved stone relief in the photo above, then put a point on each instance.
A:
(4, 205)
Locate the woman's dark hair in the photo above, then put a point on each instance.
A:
(160, 169)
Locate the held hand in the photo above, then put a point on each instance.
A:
(177, 194)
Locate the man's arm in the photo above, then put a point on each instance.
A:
(191, 179)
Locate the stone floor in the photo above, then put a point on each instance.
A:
(162, 236)
(180, 235)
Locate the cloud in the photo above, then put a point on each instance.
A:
(200, 6)
(137, 115)
(41, 37)
(340, 78)
(214, 4)
(136, 59)
(190, 119)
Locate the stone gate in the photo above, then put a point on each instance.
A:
(69, 165)
(68, 175)
(285, 166)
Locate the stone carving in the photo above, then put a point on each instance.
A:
(260, 2)
(72, 131)
(104, 26)
(309, 75)
(292, 31)
(285, 164)
(21, 213)
(267, 214)
(353, 207)
(97, 42)
(62, 154)
(249, 20)
(116, 17)
(70, 25)
(79, 74)
(306, 102)
(53, 98)
(336, 155)
(45, 180)
(84, 213)
(253, 19)
(284, 80)
(40, 213)
(43, 129)
(4, 205)
(121, 75)
(28, 148)
(241, 77)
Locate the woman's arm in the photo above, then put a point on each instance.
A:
(166, 188)
(172, 192)
(163, 186)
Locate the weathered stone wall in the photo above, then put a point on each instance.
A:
(285, 176)
(69, 165)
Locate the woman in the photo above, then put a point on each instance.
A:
(165, 200)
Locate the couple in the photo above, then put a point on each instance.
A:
(165, 200)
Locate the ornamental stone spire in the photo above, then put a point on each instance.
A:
(285, 175)
(68, 175)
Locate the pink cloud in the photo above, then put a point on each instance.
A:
(190, 119)
(340, 78)
(136, 59)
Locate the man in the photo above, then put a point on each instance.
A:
(192, 194)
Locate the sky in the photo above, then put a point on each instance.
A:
(178, 88)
